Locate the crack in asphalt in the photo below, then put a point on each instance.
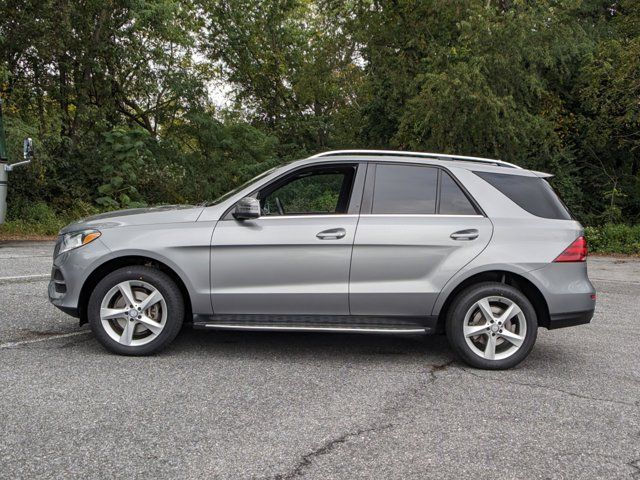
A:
(613, 459)
(307, 460)
(400, 400)
(326, 448)
(554, 389)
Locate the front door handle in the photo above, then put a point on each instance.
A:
(470, 234)
(332, 234)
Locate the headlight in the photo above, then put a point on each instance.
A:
(77, 239)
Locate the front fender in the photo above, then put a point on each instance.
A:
(183, 248)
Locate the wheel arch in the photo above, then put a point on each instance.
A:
(124, 261)
(526, 286)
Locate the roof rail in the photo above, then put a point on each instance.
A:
(399, 153)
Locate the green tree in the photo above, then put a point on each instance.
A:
(292, 70)
(116, 93)
(609, 120)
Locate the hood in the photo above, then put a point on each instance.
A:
(137, 216)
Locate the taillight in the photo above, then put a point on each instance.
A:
(576, 252)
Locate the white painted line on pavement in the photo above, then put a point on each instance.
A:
(609, 280)
(22, 277)
(44, 339)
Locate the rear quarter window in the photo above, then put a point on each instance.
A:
(453, 201)
(532, 194)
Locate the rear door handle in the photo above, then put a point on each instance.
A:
(470, 234)
(332, 234)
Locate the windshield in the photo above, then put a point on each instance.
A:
(231, 193)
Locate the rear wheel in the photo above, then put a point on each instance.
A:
(492, 326)
(136, 310)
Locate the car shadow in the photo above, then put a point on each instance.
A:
(337, 349)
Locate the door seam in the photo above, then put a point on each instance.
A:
(353, 243)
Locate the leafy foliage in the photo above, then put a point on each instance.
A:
(614, 238)
(125, 156)
(122, 96)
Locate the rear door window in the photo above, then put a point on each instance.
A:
(532, 194)
(405, 189)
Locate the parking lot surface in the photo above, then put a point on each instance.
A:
(283, 405)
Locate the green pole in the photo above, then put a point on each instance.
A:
(4, 174)
(3, 144)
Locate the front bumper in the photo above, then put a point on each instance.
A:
(69, 273)
(73, 311)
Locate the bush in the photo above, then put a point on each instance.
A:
(39, 218)
(614, 238)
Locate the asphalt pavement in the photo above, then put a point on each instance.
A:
(284, 405)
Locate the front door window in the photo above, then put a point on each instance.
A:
(315, 191)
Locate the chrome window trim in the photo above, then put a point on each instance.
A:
(434, 215)
(336, 215)
(353, 215)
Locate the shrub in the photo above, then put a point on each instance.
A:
(39, 218)
(614, 238)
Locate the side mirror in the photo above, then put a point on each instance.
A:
(247, 209)
(27, 153)
(27, 149)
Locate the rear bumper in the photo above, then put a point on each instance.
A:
(570, 296)
(561, 320)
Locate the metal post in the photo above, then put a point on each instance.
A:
(5, 167)
(4, 174)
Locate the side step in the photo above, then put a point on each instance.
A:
(313, 323)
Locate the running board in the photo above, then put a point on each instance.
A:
(313, 323)
(295, 328)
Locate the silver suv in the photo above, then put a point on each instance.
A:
(344, 241)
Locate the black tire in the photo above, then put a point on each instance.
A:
(165, 285)
(464, 302)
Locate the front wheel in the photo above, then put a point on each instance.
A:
(136, 310)
(492, 326)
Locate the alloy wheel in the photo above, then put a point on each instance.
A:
(133, 313)
(494, 327)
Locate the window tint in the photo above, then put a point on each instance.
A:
(533, 194)
(405, 189)
(315, 191)
(453, 201)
